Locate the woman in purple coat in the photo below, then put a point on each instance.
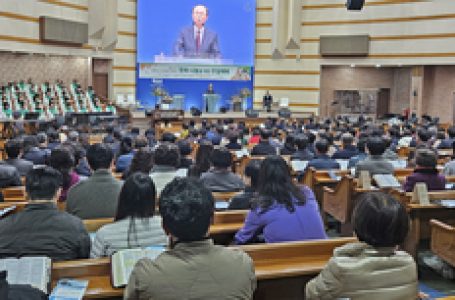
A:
(281, 211)
(425, 172)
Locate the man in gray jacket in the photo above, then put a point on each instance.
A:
(193, 268)
(375, 163)
(97, 196)
(220, 178)
(40, 229)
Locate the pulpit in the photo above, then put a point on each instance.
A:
(211, 103)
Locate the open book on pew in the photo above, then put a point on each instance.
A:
(299, 165)
(399, 164)
(35, 271)
(241, 153)
(343, 163)
(123, 262)
(386, 181)
(445, 203)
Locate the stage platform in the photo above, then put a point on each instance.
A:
(141, 120)
(241, 115)
(228, 115)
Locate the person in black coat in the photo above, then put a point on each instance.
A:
(322, 161)
(302, 152)
(267, 101)
(264, 147)
(349, 150)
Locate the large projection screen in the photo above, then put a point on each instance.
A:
(185, 46)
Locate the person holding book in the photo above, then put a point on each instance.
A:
(135, 223)
(40, 229)
(193, 267)
(372, 268)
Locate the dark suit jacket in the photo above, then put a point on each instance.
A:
(233, 146)
(346, 153)
(446, 144)
(267, 100)
(302, 155)
(263, 148)
(22, 165)
(323, 162)
(186, 44)
(9, 176)
(40, 229)
(36, 156)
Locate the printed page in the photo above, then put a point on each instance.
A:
(299, 165)
(28, 270)
(124, 261)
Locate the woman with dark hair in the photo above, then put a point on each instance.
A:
(281, 211)
(142, 162)
(62, 159)
(134, 224)
(372, 268)
(202, 164)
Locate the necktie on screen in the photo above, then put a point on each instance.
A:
(198, 40)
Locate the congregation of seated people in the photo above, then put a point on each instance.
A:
(157, 189)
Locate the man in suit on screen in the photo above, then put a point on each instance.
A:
(197, 40)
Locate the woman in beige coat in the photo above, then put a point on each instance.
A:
(373, 268)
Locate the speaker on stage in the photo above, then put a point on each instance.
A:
(251, 113)
(284, 113)
(195, 112)
(355, 4)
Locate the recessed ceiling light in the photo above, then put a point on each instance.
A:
(352, 65)
(378, 65)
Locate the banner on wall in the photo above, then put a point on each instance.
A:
(197, 72)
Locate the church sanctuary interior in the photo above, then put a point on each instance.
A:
(227, 149)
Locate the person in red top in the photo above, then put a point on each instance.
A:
(255, 137)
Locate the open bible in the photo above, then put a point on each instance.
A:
(123, 262)
(35, 271)
(386, 181)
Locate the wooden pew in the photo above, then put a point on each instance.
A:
(317, 180)
(20, 205)
(13, 194)
(225, 225)
(421, 215)
(93, 225)
(117, 175)
(340, 202)
(443, 241)
(282, 269)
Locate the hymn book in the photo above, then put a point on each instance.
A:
(386, 181)
(123, 262)
(34, 271)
